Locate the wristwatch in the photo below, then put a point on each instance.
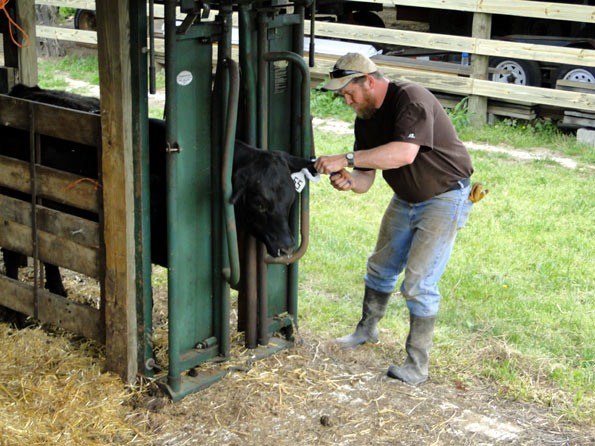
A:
(350, 159)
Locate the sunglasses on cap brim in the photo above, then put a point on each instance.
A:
(338, 73)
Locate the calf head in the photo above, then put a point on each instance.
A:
(263, 194)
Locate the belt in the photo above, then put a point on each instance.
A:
(461, 184)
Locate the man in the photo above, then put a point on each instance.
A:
(402, 130)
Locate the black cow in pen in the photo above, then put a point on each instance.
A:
(263, 190)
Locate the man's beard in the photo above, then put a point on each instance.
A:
(367, 108)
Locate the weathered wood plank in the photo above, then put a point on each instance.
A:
(82, 4)
(583, 87)
(459, 44)
(79, 230)
(523, 8)
(465, 86)
(118, 187)
(27, 55)
(56, 185)
(50, 120)
(55, 250)
(478, 105)
(74, 35)
(57, 310)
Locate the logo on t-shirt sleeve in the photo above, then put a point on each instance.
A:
(411, 136)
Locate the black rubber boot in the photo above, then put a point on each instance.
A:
(419, 343)
(374, 306)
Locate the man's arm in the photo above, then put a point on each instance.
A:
(387, 156)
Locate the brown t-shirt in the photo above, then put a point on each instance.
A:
(410, 113)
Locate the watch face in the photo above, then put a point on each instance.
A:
(349, 156)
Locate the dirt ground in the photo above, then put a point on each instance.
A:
(316, 393)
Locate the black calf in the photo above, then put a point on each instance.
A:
(263, 191)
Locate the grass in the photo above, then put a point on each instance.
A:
(518, 306)
(53, 73)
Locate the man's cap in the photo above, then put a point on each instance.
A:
(348, 67)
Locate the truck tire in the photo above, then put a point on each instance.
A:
(368, 18)
(574, 73)
(85, 19)
(522, 72)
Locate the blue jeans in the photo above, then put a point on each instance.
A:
(417, 237)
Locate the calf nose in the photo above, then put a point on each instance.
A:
(285, 251)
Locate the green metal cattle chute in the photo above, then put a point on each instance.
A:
(202, 111)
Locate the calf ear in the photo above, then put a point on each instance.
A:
(239, 185)
(237, 194)
(296, 163)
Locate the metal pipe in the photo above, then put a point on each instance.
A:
(312, 50)
(231, 275)
(152, 81)
(305, 124)
(174, 375)
(263, 109)
(33, 185)
(248, 78)
(226, 244)
(250, 293)
(263, 307)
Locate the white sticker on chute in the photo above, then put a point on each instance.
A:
(184, 78)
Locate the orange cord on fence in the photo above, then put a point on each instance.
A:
(74, 183)
(3, 4)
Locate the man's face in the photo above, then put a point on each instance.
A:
(360, 98)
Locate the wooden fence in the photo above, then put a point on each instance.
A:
(473, 81)
(79, 240)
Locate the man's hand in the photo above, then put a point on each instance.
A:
(342, 180)
(330, 164)
(477, 193)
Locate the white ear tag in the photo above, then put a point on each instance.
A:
(313, 178)
(299, 181)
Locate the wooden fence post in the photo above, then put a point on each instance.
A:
(27, 56)
(113, 37)
(478, 105)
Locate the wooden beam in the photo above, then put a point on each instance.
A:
(27, 56)
(457, 44)
(478, 105)
(57, 310)
(466, 86)
(523, 8)
(74, 35)
(80, 230)
(113, 37)
(55, 250)
(56, 185)
(59, 122)
(81, 4)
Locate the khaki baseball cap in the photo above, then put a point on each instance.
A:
(348, 67)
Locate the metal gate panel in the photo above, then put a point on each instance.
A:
(194, 336)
